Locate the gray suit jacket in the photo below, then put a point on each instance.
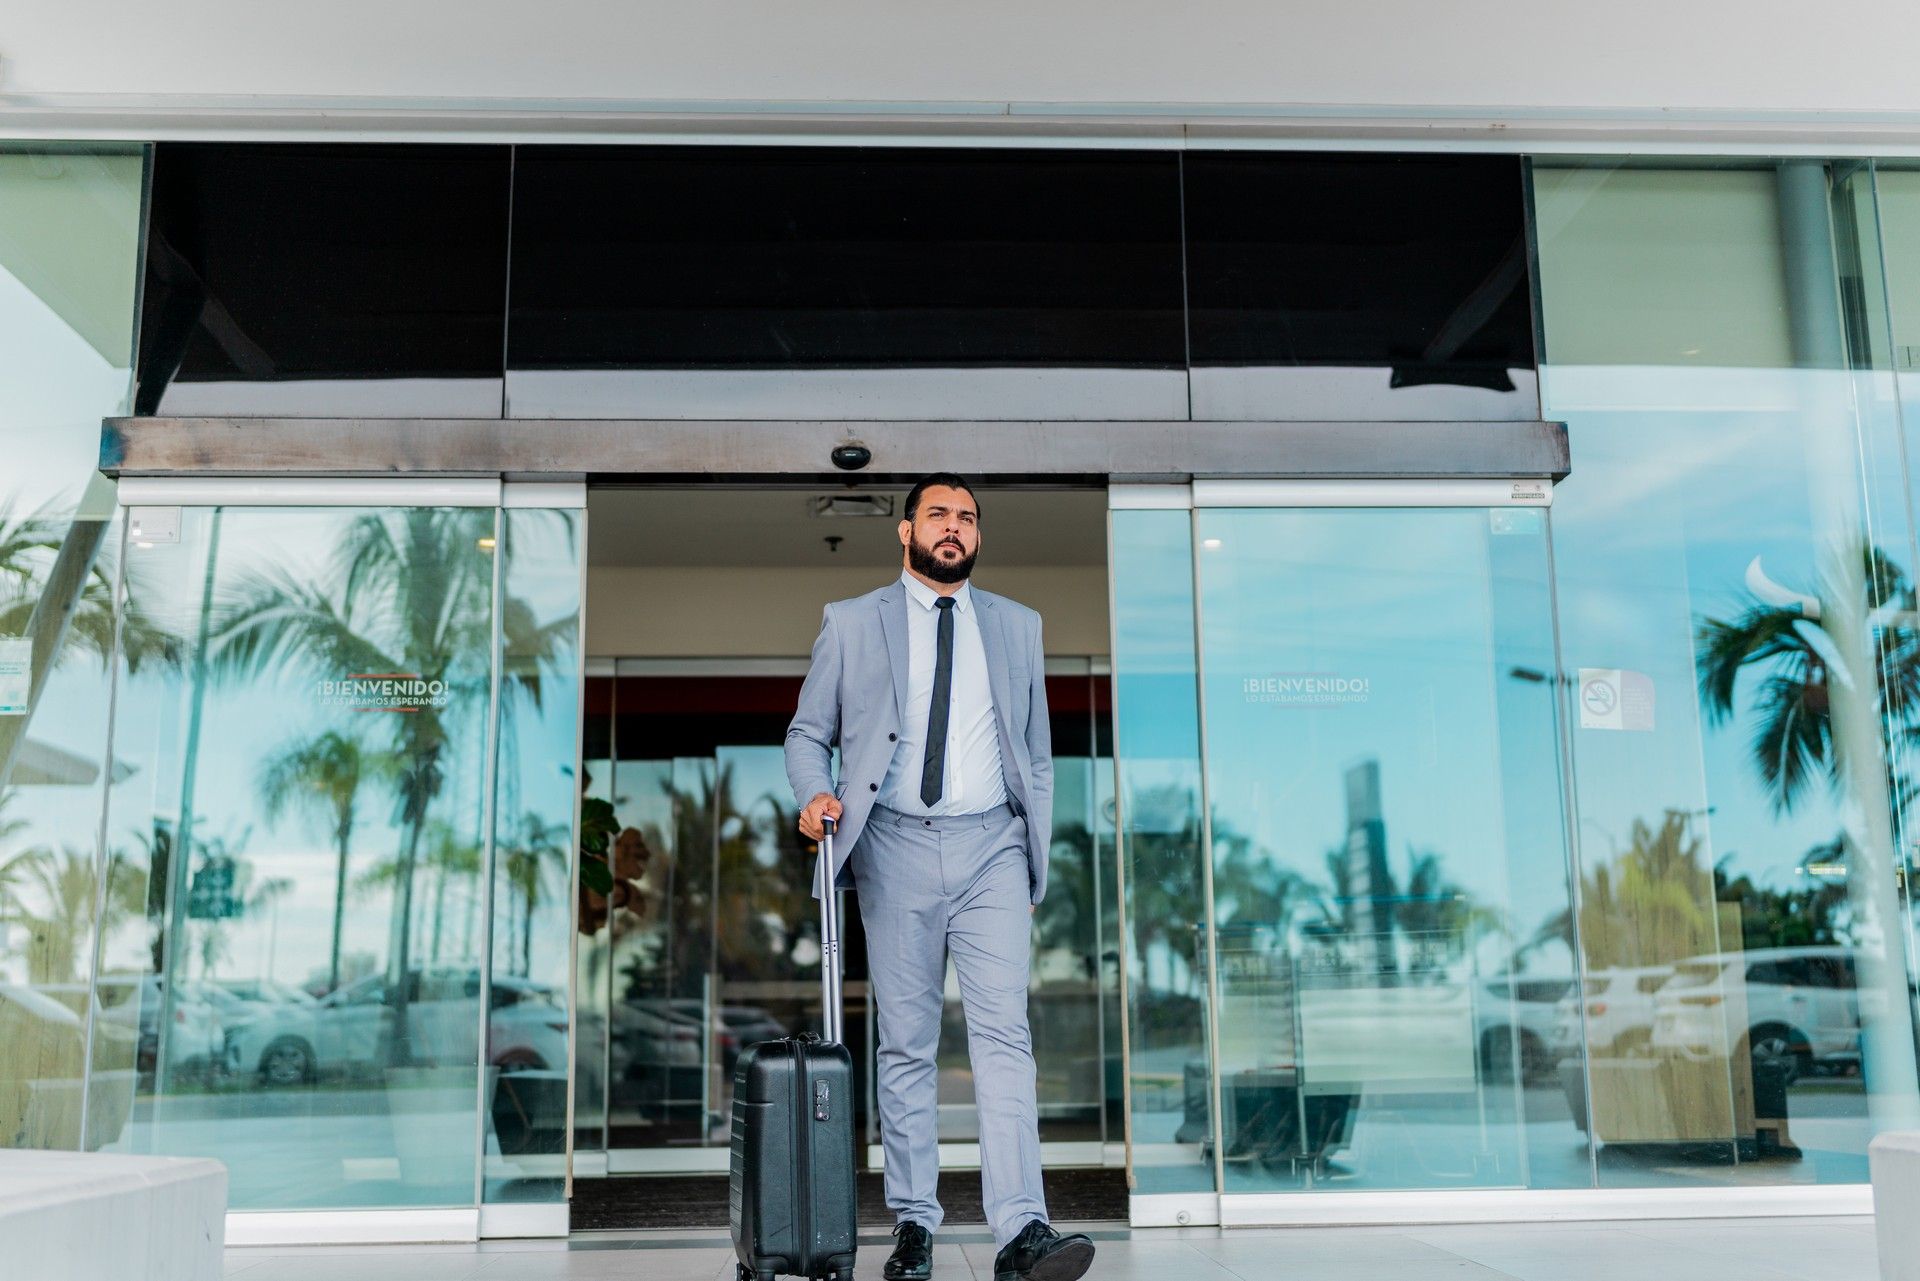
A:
(854, 695)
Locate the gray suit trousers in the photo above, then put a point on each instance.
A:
(929, 887)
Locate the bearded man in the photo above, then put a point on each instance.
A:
(934, 692)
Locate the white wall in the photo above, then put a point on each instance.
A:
(760, 613)
(1748, 57)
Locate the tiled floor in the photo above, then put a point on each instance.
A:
(1836, 1249)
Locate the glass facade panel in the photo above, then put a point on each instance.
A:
(296, 837)
(1066, 993)
(835, 282)
(593, 950)
(536, 790)
(1387, 842)
(328, 281)
(292, 951)
(713, 941)
(70, 221)
(1896, 187)
(1162, 853)
(1733, 592)
(823, 282)
(1346, 286)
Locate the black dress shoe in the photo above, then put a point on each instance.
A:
(912, 1257)
(1041, 1254)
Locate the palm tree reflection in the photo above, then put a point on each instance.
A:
(407, 591)
(321, 776)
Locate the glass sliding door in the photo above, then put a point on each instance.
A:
(334, 952)
(1167, 1007)
(533, 881)
(1387, 840)
(1378, 927)
(707, 934)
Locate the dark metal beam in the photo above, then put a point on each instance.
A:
(612, 450)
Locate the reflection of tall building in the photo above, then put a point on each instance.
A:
(1369, 883)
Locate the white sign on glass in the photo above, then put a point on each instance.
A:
(1615, 698)
(16, 674)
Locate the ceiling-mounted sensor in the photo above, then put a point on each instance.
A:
(878, 505)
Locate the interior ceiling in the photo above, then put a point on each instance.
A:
(775, 527)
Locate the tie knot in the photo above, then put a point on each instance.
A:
(944, 602)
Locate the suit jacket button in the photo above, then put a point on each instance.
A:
(873, 787)
(893, 738)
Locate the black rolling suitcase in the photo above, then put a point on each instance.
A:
(790, 1186)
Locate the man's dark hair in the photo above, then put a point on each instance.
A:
(944, 478)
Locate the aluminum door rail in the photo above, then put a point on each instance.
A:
(746, 450)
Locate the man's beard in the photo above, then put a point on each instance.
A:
(927, 565)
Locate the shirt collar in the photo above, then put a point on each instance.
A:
(924, 596)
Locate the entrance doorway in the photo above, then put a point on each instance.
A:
(702, 606)
(1309, 760)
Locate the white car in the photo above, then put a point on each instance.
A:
(1514, 1019)
(134, 1004)
(348, 1032)
(1615, 1008)
(1801, 1008)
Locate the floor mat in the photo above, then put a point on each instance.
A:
(700, 1201)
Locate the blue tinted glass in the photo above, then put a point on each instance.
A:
(290, 977)
(1157, 751)
(1733, 579)
(1386, 828)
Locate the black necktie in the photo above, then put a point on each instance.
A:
(933, 773)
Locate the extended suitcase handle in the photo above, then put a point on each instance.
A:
(831, 1015)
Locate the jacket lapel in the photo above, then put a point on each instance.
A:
(993, 641)
(893, 625)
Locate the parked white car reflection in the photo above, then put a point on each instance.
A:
(236, 1007)
(1802, 1008)
(1617, 1007)
(195, 1042)
(349, 1032)
(1514, 1022)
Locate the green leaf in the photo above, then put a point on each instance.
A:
(597, 825)
(596, 876)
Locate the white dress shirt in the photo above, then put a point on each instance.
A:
(974, 781)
